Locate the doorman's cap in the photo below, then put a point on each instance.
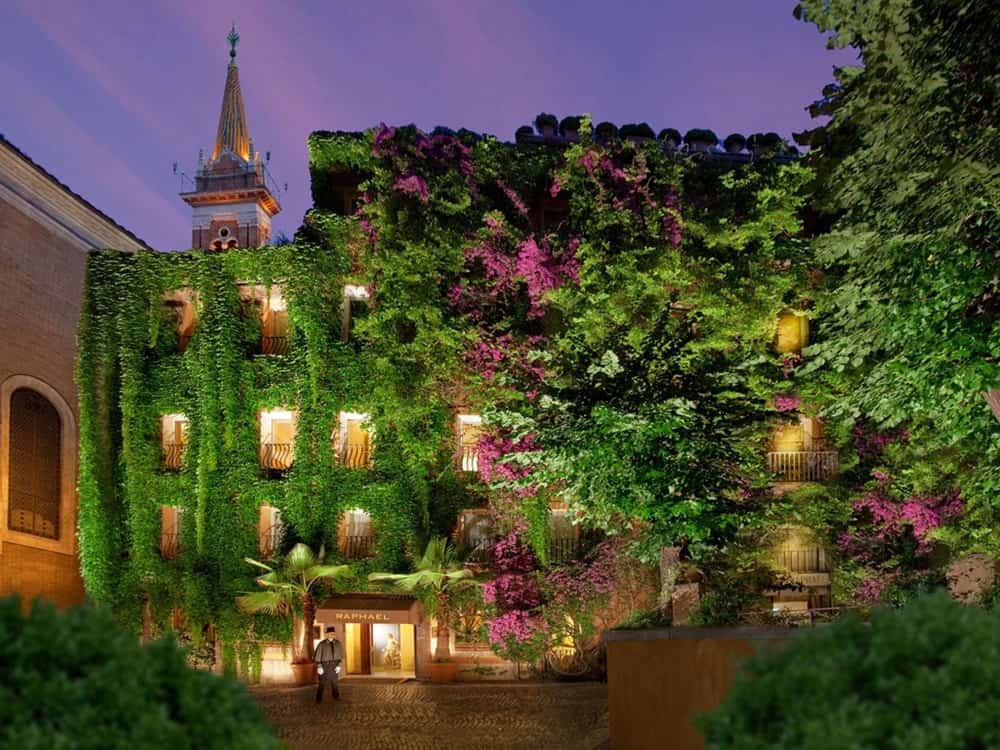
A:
(330, 629)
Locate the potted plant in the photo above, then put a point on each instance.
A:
(438, 575)
(288, 592)
(606, 132)
(701, 140)
(734, 143)
(525, 132)
(569, 128)
(670, 138)
(636, 133)
(546, 124)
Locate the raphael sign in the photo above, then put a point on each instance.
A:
(362, 616)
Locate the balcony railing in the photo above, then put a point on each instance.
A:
(274, 344)
(276, 456)
(170, 545)
(802, 466)
(357, 456)
(479, 550)
(357, 546)
(805, 560)
(470, 458)
(564, 549)
(31, 514)
(173, 455)
(270, 540)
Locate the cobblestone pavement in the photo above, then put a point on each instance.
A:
(417, 716)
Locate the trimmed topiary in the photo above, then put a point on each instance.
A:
(734, 141)
(606, 131)
(74, 679)
(701, 135)
(640, 130)
(525, 131)
(546, 120)
(925, 677)
(569, 125)
(670, 134)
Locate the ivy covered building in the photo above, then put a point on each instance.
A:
(578, 345)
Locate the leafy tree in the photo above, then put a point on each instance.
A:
(925, 677)
(910, 184)
(289, 591)
(74, 679)
(439, 573)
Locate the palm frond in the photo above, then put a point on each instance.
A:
(264, 602)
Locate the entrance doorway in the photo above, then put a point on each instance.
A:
(379, 649)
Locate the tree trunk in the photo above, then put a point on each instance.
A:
(670, 566)
(442, 650)
(305, 637)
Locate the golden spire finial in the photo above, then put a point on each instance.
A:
(234, 39)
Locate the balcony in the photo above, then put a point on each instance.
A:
(270, 540)
(356, 456)
(276, 456)
(170, 545)
(357, 546)
(802, 466)
(470, 458)
(479, 550)
(173, 456)
(564, 549)
(274, 345)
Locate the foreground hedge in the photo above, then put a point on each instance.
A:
(926, 677)
(75, 680)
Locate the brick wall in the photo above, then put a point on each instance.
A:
(42, 279)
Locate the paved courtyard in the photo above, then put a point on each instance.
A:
(417, 716)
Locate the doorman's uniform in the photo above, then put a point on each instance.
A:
(329, 656)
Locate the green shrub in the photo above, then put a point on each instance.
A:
(924, 677)
(76, 680)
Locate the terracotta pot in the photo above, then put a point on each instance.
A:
(305, 674)
(443, 671)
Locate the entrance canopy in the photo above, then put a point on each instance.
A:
(372, 608)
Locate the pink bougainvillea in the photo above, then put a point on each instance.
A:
(882, 520)
(513, 197)
(513, 629)
(787, 402)
(494, 448)
(412, 184)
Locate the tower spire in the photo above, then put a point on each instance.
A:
(232, 132)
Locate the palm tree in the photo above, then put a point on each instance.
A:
(438, 573)
(289, 593)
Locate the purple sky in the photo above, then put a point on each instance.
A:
(107, 94)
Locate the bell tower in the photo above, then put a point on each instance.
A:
(232, 201)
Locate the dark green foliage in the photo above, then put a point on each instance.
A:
(641, 130)
(734, 139)
(75, 680)
(925, 677)
(606, 131)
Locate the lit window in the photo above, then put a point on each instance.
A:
(477, 533)
(277, 439)
(274, 321)
(270, 531)
(354, 306)
(470, 429)
(355, 536)
(174, 438)
(170, 531)
(181, 305)
(793, 333)
(352, 442)
(564, 544)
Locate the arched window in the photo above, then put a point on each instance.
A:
(35, 467)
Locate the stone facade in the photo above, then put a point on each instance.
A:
(45, 233)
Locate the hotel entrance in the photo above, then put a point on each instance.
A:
(382, 634)
(379, 649)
